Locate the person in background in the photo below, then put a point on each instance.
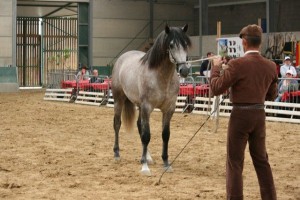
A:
(277, 62)
(297, 68)
(253, 79)
(204, 65)
(83, 74)
(95, 78)
(287, 85)
(226, 59)
(287, 65)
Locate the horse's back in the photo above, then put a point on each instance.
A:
(126, 70)
(127, 61)
(129, 57)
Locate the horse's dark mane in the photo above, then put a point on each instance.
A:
(158, 52)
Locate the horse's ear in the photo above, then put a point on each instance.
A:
(185, 28)
(167, 29)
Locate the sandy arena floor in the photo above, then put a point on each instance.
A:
(57, 150)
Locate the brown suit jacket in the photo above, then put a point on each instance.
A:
(252, 78)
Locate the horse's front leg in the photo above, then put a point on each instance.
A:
(145, 138)
(139, 125)
(165, 137)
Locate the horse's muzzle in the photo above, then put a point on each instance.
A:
(183, 70)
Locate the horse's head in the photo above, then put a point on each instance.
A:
(178, 43)
(171, 45)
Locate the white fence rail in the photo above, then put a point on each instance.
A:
(193, 97)
(275, 111)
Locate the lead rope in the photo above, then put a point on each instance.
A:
(210, 58)
(217, 107)
(191, 61)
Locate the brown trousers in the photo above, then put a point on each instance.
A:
(248, 125)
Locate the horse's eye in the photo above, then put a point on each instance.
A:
(171, 45)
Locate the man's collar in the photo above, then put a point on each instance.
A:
(251, 51)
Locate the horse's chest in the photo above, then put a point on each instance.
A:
(159, 93)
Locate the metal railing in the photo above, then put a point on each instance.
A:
(194, 96)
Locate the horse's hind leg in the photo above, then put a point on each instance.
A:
(118, 105)
(165, 137)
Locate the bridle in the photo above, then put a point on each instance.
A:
(173, 60)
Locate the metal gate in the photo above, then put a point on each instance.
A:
(28, 51)
(45, 45)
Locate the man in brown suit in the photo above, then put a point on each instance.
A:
(253, 79)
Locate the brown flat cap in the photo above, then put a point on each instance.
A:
(252, 30)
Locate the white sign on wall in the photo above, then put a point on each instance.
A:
(231, 47)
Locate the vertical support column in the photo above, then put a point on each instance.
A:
(42, 52)
(203, 22)
(90, 49)
(268, 15)
(200, 28)
(14, 32)
(204, 11)
(216, 105)
(24, 44)
(272, 17)
(151, 4)
(219, 27)
(83, 33)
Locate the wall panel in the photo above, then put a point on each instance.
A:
(116, 9)
(125, 25)
(118, 28)
(6, 8)
(6, 26)
(6, 47)
(6, 32)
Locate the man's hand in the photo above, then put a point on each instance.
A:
(217, 62)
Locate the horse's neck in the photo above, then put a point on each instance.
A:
(167, 70)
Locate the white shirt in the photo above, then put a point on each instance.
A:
(284, 68)
(251, 51)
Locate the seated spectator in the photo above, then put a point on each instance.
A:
(95, 78)
(287, 85)
(287, 66)
(83, 74)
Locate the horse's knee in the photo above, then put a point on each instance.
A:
(146, 136)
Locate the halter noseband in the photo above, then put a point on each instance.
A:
(174, 60)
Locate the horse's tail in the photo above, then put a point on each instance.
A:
(128, 115)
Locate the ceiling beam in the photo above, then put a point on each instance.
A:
(232, 3)
(56, 10)
(43, 5)
(61, 1)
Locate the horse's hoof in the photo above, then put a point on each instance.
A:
(117, 159)
(146, 172)
(168, 169)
